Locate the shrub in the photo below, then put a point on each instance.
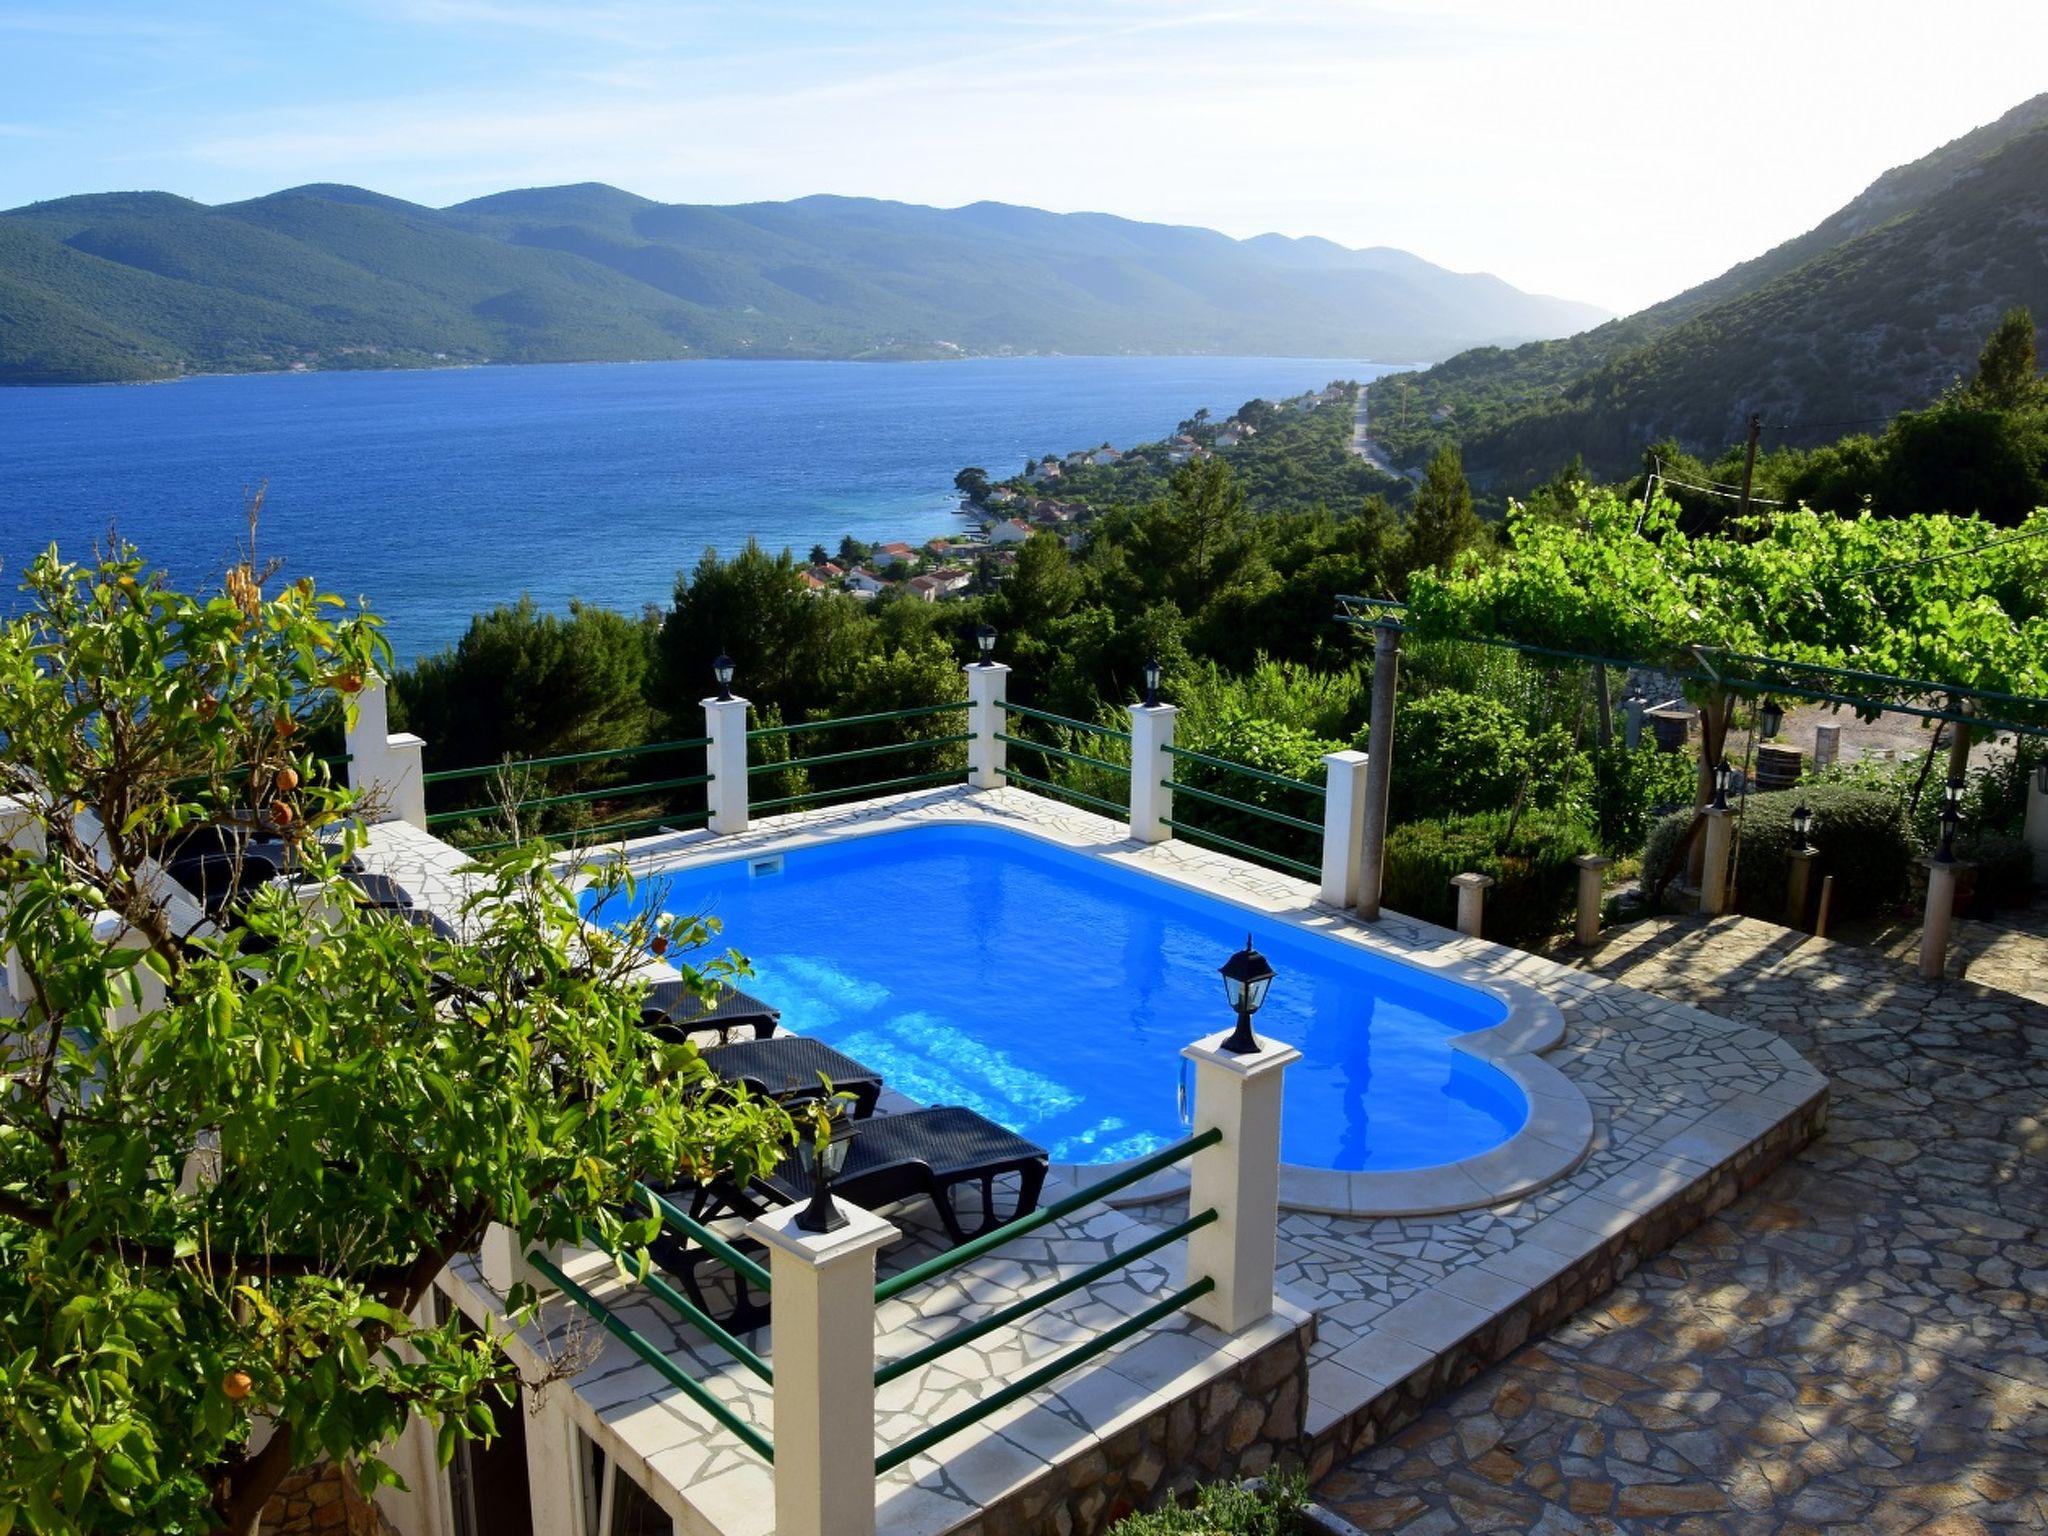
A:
(1456, 754)
(1862, 833)
(1536, 882)
(2002, 873)
(1633, 786)
(1271, 747)
(1273, 1508)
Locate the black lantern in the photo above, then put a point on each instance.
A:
(1802, 821)
(1951, 818)
(1246, 975)
(821, 1163)
(985, 637)
(1723, 777)
(721, 672)
(1152, 682)
(1770, 715)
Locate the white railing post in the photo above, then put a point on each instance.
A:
(139, 989)
(501, 1256)
(1343, 826)
(1471, 890)
(1940, 914)
(1239, 1178)
(725, 759)
(384, 766)
(21, 829)
(824, 1370)
(1151, 771)
(986, 756)
(1592, 888)
(1715, 897)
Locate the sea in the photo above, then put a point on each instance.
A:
(432, 495)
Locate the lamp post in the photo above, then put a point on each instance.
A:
(822, 1160)
(1770, 716)
(1802, 822)
(985, 639)
(1723, 776)
(1152, 670)
(1246, 976)
(721, 673)
(1951, 818)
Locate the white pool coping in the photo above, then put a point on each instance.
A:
(1552, 1141)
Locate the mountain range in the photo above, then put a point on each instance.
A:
(1875, 310)
(147, 285)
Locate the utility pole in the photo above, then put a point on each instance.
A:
(1756, 430)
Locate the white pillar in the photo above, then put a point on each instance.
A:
(1471, 888)
(1592, 888)
(824, 1370)
(1151, 771)
(384, 766)
(1343, 826)
(986, 757)
(1941, 907)
(1827, 746)
(1632, 733)
(501, 1257)
(2037, 821)
(139, 989)
(725, 722)
(20, 829)
(1379, 774)
(1239, 1177)
(1715, 897)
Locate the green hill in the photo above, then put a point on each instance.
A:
(142, 285)
(1873, 311)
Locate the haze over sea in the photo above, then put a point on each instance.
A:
(439, 494)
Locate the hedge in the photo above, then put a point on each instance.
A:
(1535, 885)
(1862, 834)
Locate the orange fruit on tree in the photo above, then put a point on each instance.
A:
(237, 1385)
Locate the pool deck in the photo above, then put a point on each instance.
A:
(1683, 1111)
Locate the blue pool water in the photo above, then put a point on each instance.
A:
(1052, 991)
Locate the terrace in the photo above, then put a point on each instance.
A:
(1082, 1364)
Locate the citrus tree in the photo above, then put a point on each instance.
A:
(237, 1147)
(1953, 602)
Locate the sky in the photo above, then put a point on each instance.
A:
(1610, 152)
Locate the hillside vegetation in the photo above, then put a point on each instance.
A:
(1874, 311)
(146, 285)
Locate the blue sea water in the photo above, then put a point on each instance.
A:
(437, 494)
(1052, 992)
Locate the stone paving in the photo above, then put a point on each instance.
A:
(1857, 1347)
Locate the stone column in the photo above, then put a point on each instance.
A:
(1632, 732)
(1941, 907)
(986, 756)
(725, 722)
(1592, 890)
(1239, 1177)
(1379, 772)
(1799, 886)
(1471, 890)
(1715, 897)
(1343, 826)
(1151, 771)
(824, 1370)
(383, 766)
(1827, 746)
(21, 829)
(2037, 822)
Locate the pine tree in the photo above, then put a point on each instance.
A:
(1441, 521)
(2005, 368)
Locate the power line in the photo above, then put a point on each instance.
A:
(1953, 554)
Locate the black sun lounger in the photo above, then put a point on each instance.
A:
(672, 1012)
(930, 1152)
(789, 1066)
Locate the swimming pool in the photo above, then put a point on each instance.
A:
(1052, 991)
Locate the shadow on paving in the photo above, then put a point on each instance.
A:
(1859, 1345)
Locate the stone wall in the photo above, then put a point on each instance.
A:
(1236, 1426)
(1557, 1299)
(321, 1499)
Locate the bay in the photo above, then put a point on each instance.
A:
(434, 495)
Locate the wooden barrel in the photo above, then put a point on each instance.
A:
(1672, 727)
(1778, 766)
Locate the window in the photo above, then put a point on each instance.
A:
(615, 1505)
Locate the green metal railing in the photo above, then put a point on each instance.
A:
(577, 797)
(448, 775)
(858, 754)
(1101, 1189)
(1066, 754)
(610, 792)
(1293, 823)
(877, 787)
(914, 712)
(666, 1368)
(1067, 1360)
(675, 1216)
(1068, 721)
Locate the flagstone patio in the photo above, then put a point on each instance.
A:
(1857, 1347)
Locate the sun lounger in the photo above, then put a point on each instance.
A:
(673, 1012)
(791, 1066)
